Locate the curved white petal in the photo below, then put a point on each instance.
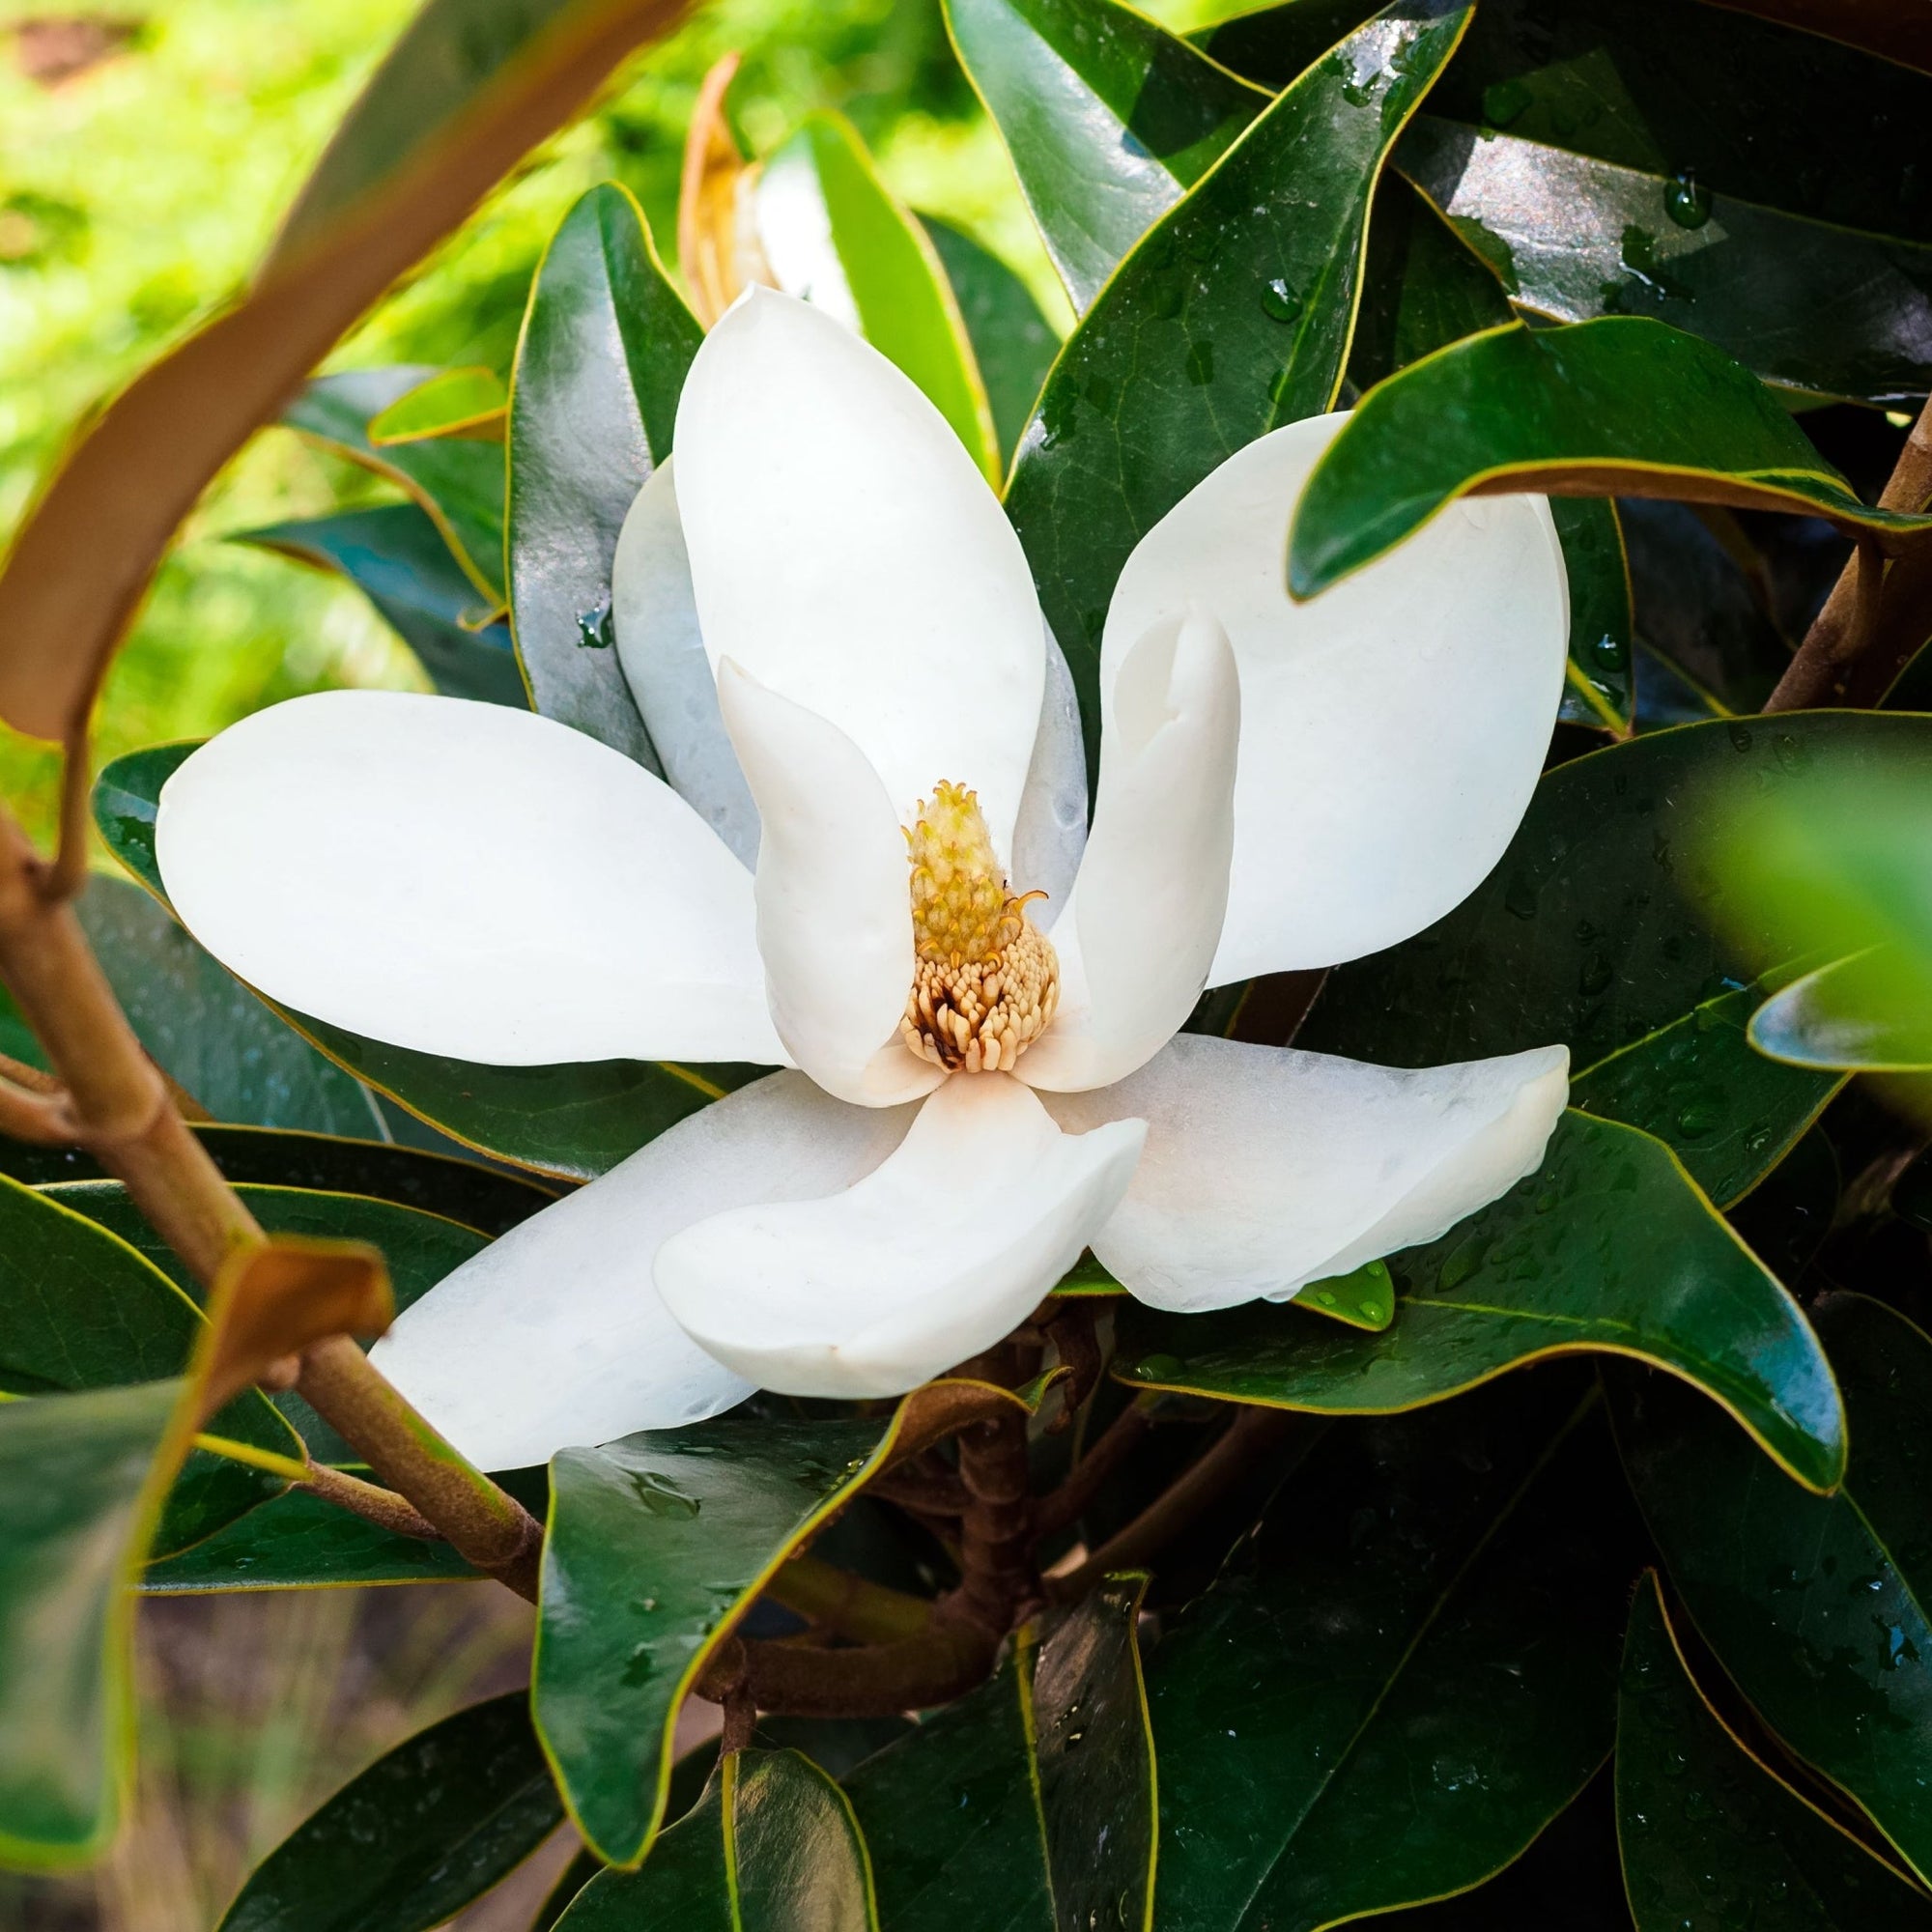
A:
(555, 1336)
(847, 553)
(935, 1255)
(654, 613)
(1267, 1168)
(834, 905)
(1052, 829)
(464, 879)
(1136, 939)
(1392, 730)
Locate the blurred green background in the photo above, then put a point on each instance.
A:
(145, 157)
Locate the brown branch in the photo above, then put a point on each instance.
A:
(1060, 1508)
(42, 1118)
(848, 1604)
(922, 1489)
(875, 1680)
(999, 1582)
(1069, 1327)
(68, 873)
(1201, 1483)
(1847, 625)
(379, 1506)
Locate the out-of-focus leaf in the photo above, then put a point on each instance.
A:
(576, 1120)
(605, 344)
(396, 557)
(833, 232)
(1030, 1805)
(413, 1838)
(656, 1546)
(487, 1199)
(1608, 1247)
(1621, 407)
(464, 93)
(81, 1309)
(458, 484)
(1709, 1835)
(770, 1847)
(1867, 1014)
(1012, 342)
(454, 402)
(1900, 33)
(81, 1477)
(1222, 323)
(1109, 120)
(1816, 1607)
(1595, 930)
(1579, 148)
(1402, 1675)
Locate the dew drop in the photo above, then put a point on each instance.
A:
(1159, 1368)
(594, 628)
(1685, 199)
(1279, 302)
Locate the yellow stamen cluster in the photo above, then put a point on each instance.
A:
(985, 983)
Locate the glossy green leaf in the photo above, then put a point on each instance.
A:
(1865, 1014)
(1402, 1675)
(1363, 1299)
(1816, 1607)
(78, 1488)
(1013, 341)
(413, 1838)
(1221, 325)
(1030, 1805)
(1710, 1837)
(657, 1545)
(1608, 1247)
(449, 403)
(459, 484)
(1595, 930)
(1109, 120)
(1601, 678)
(299, 1542)
(770, 1847)
(1623, 405)
(396, 557)
(577, 1121)
(605, 344)
(1580, 147)
(81, 1309)
(488, 1199)
(834, 230)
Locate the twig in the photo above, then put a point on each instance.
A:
(999, 1582)
(68, 873)
(1199, 1484)
(372, 1504)
(1069, 1327)
(42, 1118)
(1059, 1509)
(875, 1680)
(922, 1489)
(1847, 624)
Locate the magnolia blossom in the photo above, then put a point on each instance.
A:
(872, 768)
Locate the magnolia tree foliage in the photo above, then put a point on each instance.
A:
(1112, 1078)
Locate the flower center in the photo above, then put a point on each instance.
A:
(984, 983)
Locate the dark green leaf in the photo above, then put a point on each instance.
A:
(1602, 688)
(460, 1190)
(771, 1846)
(1608, 1247)
(413, 1838)
(1029, 1805)
(81, 1309)
(605, 344)
(78, 1489)
(577, 1121)
(396, 557)
(1624, 406)
(459, 483)
(657, 1545)
(1109, 120)
(1816, 1605)
(1221, 325)
(1784, 1219)
(1012, 342)
(1595, 930)
(1710, 1836)
(1403, 1675)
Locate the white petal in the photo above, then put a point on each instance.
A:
(555, 1336)
(1136, 940)
(1266, 1168)
(935, 1255)
(464, 879)
(834, 905)
(1392, 730)
(654, 613)
(847, 553)
(1052, 829)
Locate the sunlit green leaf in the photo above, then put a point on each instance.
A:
(451, 403)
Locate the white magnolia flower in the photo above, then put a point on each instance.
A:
(833, 632)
